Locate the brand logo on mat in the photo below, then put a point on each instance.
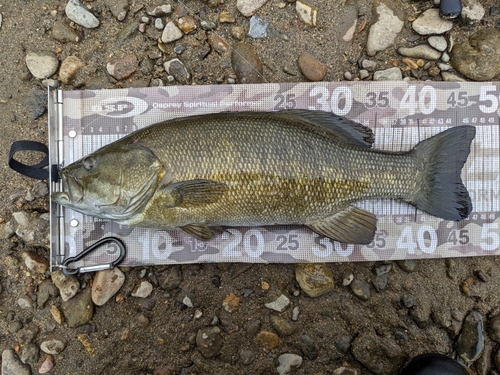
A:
(120, 107)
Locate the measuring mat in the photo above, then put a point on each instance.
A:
(400, 113)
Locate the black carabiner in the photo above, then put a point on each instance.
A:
(73, 271)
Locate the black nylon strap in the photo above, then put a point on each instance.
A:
(37, 171)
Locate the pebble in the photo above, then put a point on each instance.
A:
(472, 11)
(35, 262)
(237, 32)
(159, 25)
(79, 310)
(268, 340)
(78, 14)
(159, 11)
(42, 64)
(470, 343)
(106, 284)
(452, 77)
(494, 328)
(187, 298)
(315, 279)
(422, 51)
(363, 73)
(231, 303)
(225, 17)
(123, 68)
(348, 76)
(311, 67)
(178, 70)
(69, 68)
(53, 344)
(384, 269)
(143, 289)
(28, 333)
(57, 314)
(187, 24)
(380, 282)
(278, 303)
(349, 20)
(478, 58)
(295, 313)
(309, 348)
(307, 13)
(207, 25)
(46, 290)
(119, 8)
(172, 278)
(445, 57)
(30, 353)
(25, 302)
(431, 23)
(15, 326)
(407, 265)
(288, 362)
(63, 33)
(389, 23)
(47, 364)
(33, 227)
(171, 33)
(249, 7)
(128, 32)
(443, 67)
(369, 65)
(438, 42)
(218, 44)
(12, 365)
(209, 341)
(346, 371)
(68, 285)
(258, 28)
(246, 64)
(281, 325)
(247, 356)
(360, 289)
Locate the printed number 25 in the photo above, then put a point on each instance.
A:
(285, 102)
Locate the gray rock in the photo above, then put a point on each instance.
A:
(258, 28)
(246, 64)
(349, 20)
(46, 290)
(172, 277)
(391, 74)
(106, 285)
(315, 279)
(63, 33)
(360, 289)
(12, 365)
(288, 362)
(295, 313)
(122, 68)
(32, 228)
(478, 57)
(28, 334)
(443, 67)
(209, 341)
(143, 289)
(249, 7)
(472, 11)
(309, 348)
(35, 262)
(380, 355)
(247, 356)
(452, 77)
(68, 285)
(494, 328)
(369, 65)
(430, 22)
(53, 344)
(30, 353)
(278, 303)
(77, 13)
(42, 64)
(422, 51)
(15, 326)
(438, 42)
(470, 343)
(119, 8)
(24, 302)
(159, 25)
(159, 11)
(383, 269)
(281, 325)
(128, 32)
(380, 282)
(178, 70)
(187, 298)
(39, 190)
(363, 73)
(407, 265)
(389, 21)
(348, 76)
(207, 25)
(346, 371)
(78, 310)
(171, 33)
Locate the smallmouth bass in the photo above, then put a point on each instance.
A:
(303, 167)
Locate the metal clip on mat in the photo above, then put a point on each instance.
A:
(99, 267)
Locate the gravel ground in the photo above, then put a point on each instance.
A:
(227, 318)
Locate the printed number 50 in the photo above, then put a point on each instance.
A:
(489, 233)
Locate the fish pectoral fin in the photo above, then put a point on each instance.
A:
(196, 191)
(353, 225)
(199, 231)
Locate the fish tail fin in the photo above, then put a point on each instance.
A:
(442, 192)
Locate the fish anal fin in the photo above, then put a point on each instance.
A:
(196, 191)
(352, 225)
(199, 231)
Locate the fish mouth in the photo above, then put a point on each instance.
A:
(72, 190)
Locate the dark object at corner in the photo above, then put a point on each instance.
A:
(434, 364)
(450, 8)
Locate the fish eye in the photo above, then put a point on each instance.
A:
(88, 163)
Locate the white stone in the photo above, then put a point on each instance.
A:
(472, 11)
(307, 13)
(68, 285)
(430, 22)
(438, 42)
(42, 64)
(159, 25)
(452, 77)
(422, 51)
(106, 285)
(249, 7)
(77, 13)
(287, 361)
(280, 304)
(142, 290)
(391, 74)
(171, 33)
(383, 32)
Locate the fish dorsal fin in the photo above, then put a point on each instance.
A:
(195, 191)
(344, 130)
(199, 231)
(353, 225)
